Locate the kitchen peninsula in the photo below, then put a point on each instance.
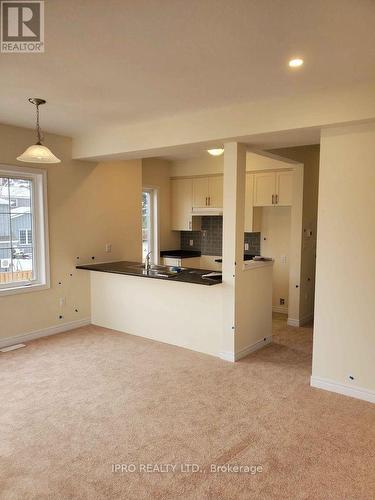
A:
(184, 309)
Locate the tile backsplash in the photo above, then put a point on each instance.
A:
(253, 240)
(209, 240)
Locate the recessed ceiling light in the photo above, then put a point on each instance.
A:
(295, 63)
(215, 151)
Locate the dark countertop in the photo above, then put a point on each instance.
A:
(180, 254)
(245, 257)
(188, 275)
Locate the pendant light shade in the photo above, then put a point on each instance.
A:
(38, 153)
(215, 151)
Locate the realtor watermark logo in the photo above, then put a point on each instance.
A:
(22, 26)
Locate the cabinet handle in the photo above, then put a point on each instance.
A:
(277, 199)
(209, 200)
(190, 224)
(273, 199)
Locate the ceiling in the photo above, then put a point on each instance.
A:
(133, 61)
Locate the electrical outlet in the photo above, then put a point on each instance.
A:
(246, 246)
(282, 302)
(108, 247)
(191, 243)
(62, 301)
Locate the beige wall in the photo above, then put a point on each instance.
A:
(156, 174)
(344, 338)
(275, 223)
(208, 164)
(309, 156)
(89, 205)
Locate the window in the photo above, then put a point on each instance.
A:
(23, 230)
(150, 224)
(25, 237)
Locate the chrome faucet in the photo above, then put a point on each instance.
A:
(148, 262)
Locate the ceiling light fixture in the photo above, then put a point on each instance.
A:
(215, 151)
(38, 153)
(295, 63)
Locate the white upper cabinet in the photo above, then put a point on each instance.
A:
(215, 191)
(273, 188)
(200, 192)
(264, 189)
(181, 201)
(208, 192)
(284, 188)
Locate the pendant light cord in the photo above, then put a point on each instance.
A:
(38, 126)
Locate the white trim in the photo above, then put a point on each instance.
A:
(280, 309)
(44, 332)
(232, 357)
(253, 347)
(41, 264)
(227, 356)
(25, 288)
(346, 390)
(293, 322)
(301, 321)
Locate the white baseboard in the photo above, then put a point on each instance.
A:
(44, 332)
(346, 390)
(253, 347)
(300, 321)
(227, 356)
(280, 309)
(293, 322)
(231, 356)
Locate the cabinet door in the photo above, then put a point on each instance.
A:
(181, 204)
(215, 191)
(264, 189)
(200, 192)
(249, 203)
(284, 188)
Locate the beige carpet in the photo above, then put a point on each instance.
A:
(76, 403)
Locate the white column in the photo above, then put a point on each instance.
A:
(233, 239)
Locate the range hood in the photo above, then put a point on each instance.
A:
(207, 211)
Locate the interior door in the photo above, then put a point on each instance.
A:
(200, 192)
(264, 189)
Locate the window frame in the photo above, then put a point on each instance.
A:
(41, 265)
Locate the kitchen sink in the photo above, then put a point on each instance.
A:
(161, 271)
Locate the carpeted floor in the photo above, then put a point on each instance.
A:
(74, 404)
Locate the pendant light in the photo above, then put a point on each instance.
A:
(38, 153)
(215, 151)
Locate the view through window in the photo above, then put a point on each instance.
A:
(146, 223)
(16, 230)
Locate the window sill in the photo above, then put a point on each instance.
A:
(23, 289)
